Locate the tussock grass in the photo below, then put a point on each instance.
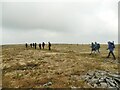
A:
(63, 65)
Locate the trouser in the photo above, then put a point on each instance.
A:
(49, 47)
(40, 47)
(93, 50)
(98, 51)
(111, 52)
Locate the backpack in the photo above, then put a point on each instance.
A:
(98, 45)
(113, 45)
(49, 44)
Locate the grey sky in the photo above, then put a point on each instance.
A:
(60, 22)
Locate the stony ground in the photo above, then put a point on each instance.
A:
(61, 67)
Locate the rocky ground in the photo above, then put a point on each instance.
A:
(65, 66)
(102, 79)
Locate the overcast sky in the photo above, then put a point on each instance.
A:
(68, 21)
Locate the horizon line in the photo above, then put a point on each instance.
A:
(51, 43)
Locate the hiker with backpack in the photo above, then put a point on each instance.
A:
(92, 48)
(111, 48)
(97, 47)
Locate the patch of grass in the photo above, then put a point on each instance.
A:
(33, 68)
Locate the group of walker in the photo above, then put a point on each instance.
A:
(96, 46)
(34, 45)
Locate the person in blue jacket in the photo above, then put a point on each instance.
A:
(92, 48)
(111, 47)
(97, 47)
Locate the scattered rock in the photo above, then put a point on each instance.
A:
(102, 79)
(47, 84)
(110, 82)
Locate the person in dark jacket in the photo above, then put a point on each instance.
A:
(31, 45)
(97, 47)
(49, 45)
(43, 45)
(92, 48)
(111, 47)
(35, 45)
(26, 45)
(40, 45)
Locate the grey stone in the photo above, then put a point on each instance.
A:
(47, 84)
(91, 73)
(97, 75)
(115, 82)
(118, 80)
(102, 72)
(103, 85)
(95, 85)
(110, 82)
(110, 78)
(73, 87)
(114, 75)
(87, 77)
(94, 80)
(101, 80)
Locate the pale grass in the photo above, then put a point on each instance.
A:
(63, 65)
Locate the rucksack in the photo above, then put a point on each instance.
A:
(98, 45)
(49, 44)
(113, 45)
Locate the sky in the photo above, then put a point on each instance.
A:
(58, 21)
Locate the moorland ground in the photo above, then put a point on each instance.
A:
(63, 65)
